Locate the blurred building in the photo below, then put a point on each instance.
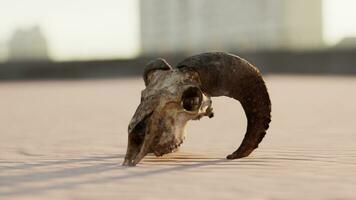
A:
(28, 45)
(3, 52)
(187, 26)
(346, 43)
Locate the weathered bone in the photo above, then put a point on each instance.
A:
(173, 96)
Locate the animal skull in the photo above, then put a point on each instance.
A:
(173, 96)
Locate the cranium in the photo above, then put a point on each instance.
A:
(173, 96)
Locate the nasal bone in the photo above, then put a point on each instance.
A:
(209, 112)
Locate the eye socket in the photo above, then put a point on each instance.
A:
(192, 99)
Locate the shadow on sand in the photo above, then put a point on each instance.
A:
(54, 174)
(91, 170)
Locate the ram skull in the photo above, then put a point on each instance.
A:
(173, 96)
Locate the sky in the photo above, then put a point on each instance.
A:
(339, 20)
(77, 29)
(104, 29)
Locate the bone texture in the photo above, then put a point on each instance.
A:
(159, 121)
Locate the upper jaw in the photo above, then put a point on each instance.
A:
(158, 133)
(136, 137)
(158, 127)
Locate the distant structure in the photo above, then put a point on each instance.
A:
(184, 26)
(346, 43)
(3, 52)
(28, 45)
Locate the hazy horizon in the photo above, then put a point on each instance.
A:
(72, 32)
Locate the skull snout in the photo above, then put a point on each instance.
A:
(159, 121)
(136, 138)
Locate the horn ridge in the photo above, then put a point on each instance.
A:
(223, 74)
(156, 64)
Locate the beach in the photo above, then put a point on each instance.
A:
(66, 139)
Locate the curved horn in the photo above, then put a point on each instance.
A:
(156, 64)
(223, 74)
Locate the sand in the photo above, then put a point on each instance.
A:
(67, 139)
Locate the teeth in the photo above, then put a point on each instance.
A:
(167, 148)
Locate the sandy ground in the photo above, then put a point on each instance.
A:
(67, 139)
